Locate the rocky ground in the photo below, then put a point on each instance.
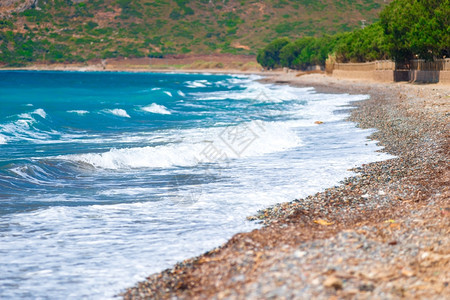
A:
(10, 6)
(382, 234)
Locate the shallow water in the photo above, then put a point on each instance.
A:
(108, 177)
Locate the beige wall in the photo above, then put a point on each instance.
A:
(383, 71)
(444, 77)
(376, 75)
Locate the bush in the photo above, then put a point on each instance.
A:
(269, 56)
(362, 45)
(156, 55)
(90, 25)
(6, 24)
(306, 52)
(175, 14)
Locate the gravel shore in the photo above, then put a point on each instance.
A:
(382, 234)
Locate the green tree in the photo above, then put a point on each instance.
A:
(417, 29)
(269, 56)
(308, 51)
(362, 45)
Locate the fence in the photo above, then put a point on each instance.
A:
(367, 66)
(437, 65)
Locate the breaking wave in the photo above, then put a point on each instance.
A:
(156, 109)
(119, 112)
(214, 145)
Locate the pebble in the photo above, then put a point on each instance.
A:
(333, 282)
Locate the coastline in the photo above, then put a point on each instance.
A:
(217, 64)
(382, 233)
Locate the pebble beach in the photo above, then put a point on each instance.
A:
(381, 234)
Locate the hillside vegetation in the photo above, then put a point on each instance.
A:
(77, 30)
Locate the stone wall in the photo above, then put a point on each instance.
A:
(381, 70)
(376, 75)
(385, 71)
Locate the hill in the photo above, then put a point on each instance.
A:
(80, 30)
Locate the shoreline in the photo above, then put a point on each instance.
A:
(216, 64)
(130, 70)
(382, 233)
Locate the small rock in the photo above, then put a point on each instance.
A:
(299, 254)
(407, 272)
(366, 287)
(333, 282)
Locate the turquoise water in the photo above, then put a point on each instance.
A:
(108, 177)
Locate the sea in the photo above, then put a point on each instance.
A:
(108, 177)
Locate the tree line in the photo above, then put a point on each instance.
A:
(407, 29)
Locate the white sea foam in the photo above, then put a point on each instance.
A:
(79, 112)
(28, 116)
(156, 109)
(321, 107)
(181, 94)
(40, 112)
(197, 83)
(144, 157)
(256, 91)
(3, 140)
(126, 191)
(214, 145)
(119, 112)
(168, 93)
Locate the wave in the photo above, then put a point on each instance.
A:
(214, 145)
(197, 83)
(3, 140)
(32, 174)
(322, 107)
(23, 128)
(168, 93)
(127, 191)
(156, 109)
(40, 112)
(256, 91)
(119, 112)
(181, 94)
(79, 112)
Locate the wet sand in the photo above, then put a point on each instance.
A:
(382, 234)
